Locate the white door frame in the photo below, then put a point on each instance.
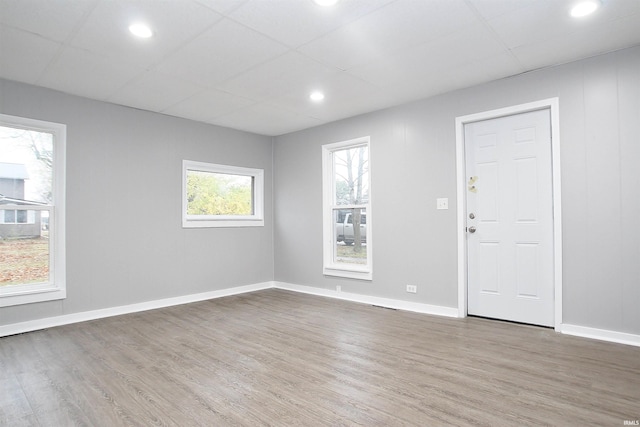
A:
(553, 105)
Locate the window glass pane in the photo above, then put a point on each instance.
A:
(351, 176)
(21, 217)
(26, 177)
(9, 217)
(26, 168)
(24, 251)
(350, 227)
(210, 193)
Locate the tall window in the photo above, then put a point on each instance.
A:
(347, 209)
(32, 220)
(221, 196)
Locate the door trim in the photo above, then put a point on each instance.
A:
(551, 104)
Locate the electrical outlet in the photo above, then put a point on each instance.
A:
(412, 289)
(442, 203)
(338, 288)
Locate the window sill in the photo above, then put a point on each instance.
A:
(25, 294)
(349, 274)
(223, 223)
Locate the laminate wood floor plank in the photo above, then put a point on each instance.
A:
(278, 358)
(14, 405)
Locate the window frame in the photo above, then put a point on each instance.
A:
(329, 206)
(56, 287)
(212, 221)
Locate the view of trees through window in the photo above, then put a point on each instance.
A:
(26, 173)
(351, 178)
(210, 193)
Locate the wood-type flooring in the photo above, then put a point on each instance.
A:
(280, 358)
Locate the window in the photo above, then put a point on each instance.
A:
(221, 196)
(18, 217)
(347, 209)
(32, 214)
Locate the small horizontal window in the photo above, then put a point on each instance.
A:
(221, 196)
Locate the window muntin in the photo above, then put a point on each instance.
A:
(221, 196)
(32, 200)
(347, 209)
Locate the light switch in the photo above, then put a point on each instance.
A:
(442, 203)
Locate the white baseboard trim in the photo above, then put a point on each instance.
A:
(49, 322)
(366, 299)
(601, 334)
(65, 319)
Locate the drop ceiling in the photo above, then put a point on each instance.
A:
(251, 64)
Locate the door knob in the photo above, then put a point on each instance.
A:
(472, 229)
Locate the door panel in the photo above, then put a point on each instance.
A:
(488, 267)
(510, 255)
(527, 281)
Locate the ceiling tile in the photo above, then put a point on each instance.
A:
(82, 73)
(543, 20)
(397, 26)
(208, 105)
(623, 32)
(106, 32)
(24, 56)
(266, 119)
(250, 64)
(222, 6)
(154, 91)
(490, 9)
(221, 52)
(291, 72)
(345, 95)
(53, 20)
(432, 59)
(297, 22)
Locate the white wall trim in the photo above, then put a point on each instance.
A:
(600, 334)
(49, 322)
(366, 299)
(553, 105)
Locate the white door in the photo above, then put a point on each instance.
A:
(510, 218)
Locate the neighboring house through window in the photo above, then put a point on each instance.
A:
(347, 209)
(32, 220)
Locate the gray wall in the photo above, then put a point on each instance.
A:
(414, 162)
(125, 243)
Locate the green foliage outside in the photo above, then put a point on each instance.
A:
(218, 194)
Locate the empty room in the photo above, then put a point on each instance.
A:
(319, 213)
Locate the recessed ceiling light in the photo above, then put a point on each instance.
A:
(316, 96)
(325, 2)
(584, 8)
(141, 30)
